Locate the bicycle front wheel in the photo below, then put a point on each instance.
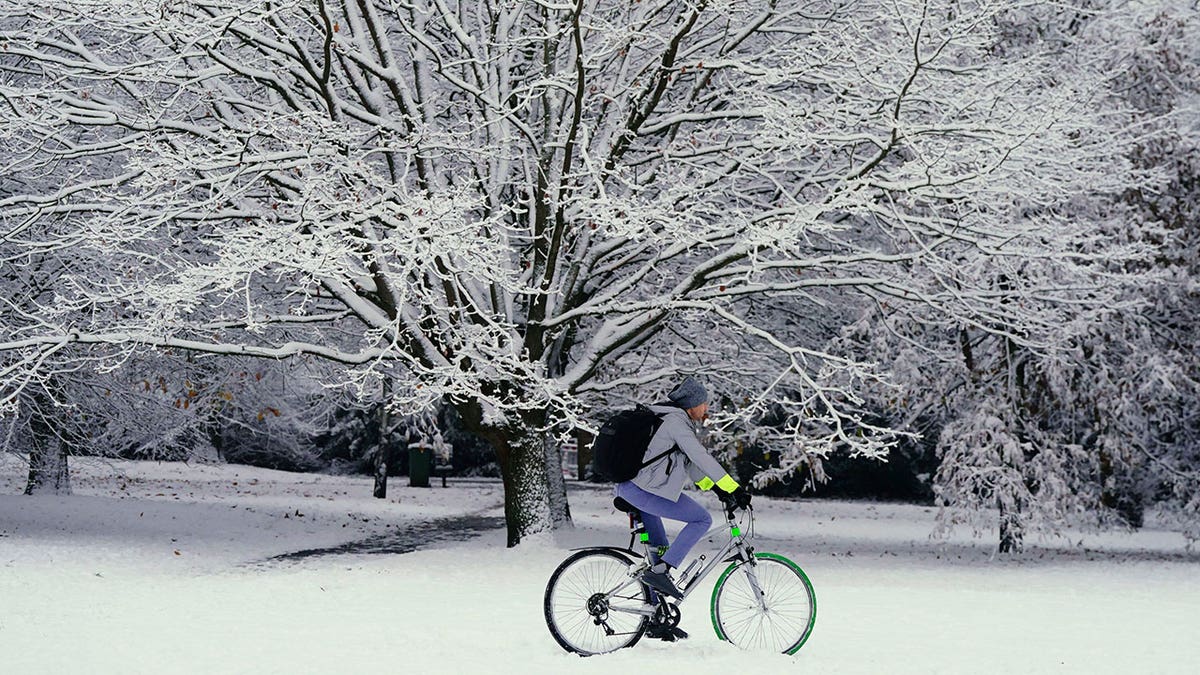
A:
(767, 605)
(582, 612)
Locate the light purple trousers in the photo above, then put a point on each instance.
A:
(655, 508)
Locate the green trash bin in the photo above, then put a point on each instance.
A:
(420, 461)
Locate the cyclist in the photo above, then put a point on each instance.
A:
(657, 490)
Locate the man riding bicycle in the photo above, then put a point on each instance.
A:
(657, 490)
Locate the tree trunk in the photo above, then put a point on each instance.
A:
(584, 440)
(48, 472)
(215, 436)
(522, 455)
(381, 473)
(521, 450)
(1010, 530)
(560, 510)
(1116, 491)
(381, 450)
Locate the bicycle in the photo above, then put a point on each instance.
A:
(595, 602)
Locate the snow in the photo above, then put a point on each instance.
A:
(167, 568)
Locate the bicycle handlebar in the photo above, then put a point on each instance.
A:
(732, 509)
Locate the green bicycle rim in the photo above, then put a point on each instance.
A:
(796, 568)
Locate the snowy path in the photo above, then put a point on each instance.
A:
(168, 580)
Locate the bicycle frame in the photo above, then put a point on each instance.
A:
(737, 545)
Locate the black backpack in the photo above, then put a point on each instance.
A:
(620, 447)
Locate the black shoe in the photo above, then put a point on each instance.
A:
(661, 582)
(660, 631)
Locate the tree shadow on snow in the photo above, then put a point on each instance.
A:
(411, 537)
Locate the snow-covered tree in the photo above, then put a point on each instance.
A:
(168, 407)
(518, 207)
(1156, 413)
(1085, 415)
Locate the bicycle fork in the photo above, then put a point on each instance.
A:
(752, 577)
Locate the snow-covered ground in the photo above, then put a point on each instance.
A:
(167, 568)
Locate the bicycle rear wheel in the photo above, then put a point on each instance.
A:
(581, 615)
(779, 619)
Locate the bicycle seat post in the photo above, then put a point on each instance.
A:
(637, 532)
(637, 529)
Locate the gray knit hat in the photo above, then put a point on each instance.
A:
(688, 394)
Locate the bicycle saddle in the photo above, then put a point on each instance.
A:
(625, 506)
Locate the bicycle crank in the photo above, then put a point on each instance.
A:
(667, 615)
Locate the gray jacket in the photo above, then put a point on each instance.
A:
(688, 460)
